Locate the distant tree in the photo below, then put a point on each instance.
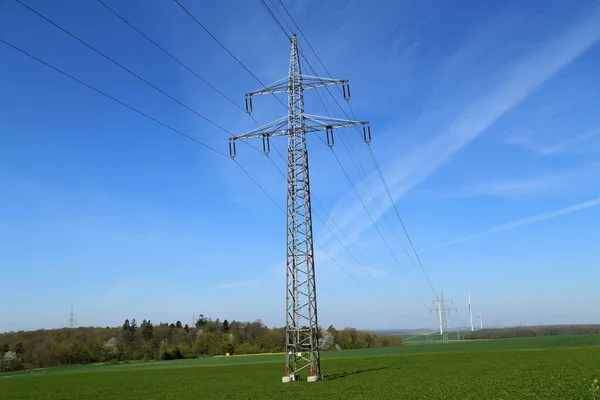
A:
(186, 327)
(178, 325)
(19, 349)
(163, 352)
(226, 345)
(176, 353)
(147, 330)
(201, 321)
(206, 344)
(48, 348)
(172, 325)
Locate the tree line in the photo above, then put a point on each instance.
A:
(533, 331)
(145, 341)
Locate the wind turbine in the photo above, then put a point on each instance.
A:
(480, 322)
(470, 312)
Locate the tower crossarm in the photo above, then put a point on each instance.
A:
(312, 82)
(316, 123)
(308, 82)
(313, 123)
(285, 85)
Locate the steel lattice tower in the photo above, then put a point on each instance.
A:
(72, 321)
(442, 309)
(302, 328)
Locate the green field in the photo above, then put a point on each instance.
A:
(548, 367)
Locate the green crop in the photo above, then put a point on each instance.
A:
(535, 368)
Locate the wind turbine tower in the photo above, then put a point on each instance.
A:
(470, 312)
(480, 322)
(442, 309)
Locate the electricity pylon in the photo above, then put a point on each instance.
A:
(302, 328)
(72, 321)
(442, 310)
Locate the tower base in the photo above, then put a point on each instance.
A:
(290, 378)
(314, 378)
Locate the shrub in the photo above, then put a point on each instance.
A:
(10, 362)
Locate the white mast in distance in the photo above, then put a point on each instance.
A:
(470, 312)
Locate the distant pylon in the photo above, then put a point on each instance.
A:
(442, 310)
(72, 320)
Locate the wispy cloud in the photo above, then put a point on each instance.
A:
(528, 74)
(566, 144)
(545, 185)
(234, 285)
(521, 222)
(578, 143)
(506, 188)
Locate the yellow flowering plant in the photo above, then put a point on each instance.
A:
(595, 389)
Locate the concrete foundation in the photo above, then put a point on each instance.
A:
(314, 378)
(291, 378)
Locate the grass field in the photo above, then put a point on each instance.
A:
(546, 368)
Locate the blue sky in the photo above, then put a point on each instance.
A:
(484, 120)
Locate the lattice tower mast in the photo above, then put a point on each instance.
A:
(442, 310)
(302, 328)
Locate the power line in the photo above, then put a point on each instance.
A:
(274, 18)
(266, 193)
(354, 258)
(164, 125)
(289, 29)
(122, 66)
(370, 151)
(271, 14)
(150, 117)
(398, 215)
(361, 171)
(359, 167)
(136, 75)
(345, 247)
(242, 64)
(348, 177)
(113, 98)
(223, 46)
(199, 77)
(170, 55)
(387, 245)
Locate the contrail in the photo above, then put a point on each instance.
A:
(525, 221)
(543, 62)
